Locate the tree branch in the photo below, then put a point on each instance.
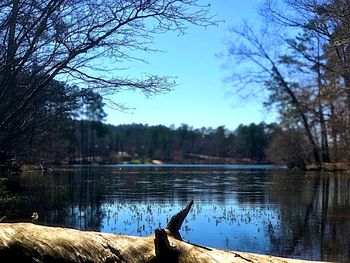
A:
(176, 221)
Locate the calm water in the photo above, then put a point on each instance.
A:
(257, 209)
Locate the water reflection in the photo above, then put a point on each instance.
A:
(314, 211)
(302, 215)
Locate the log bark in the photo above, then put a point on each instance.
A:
(28, 242)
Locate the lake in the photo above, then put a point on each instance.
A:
(260, 209)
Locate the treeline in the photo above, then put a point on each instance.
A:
(86, 141)
(64, 124)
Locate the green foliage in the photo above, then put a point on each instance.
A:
(251, 141)
(42, 132)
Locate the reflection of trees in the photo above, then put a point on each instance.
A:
(251, 187)
(172, 184)
(335, 226)
(70, 198)
(308, 214)
(313, 213)
(84, 199)
(73, 197)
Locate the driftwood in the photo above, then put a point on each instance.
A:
(27, 242)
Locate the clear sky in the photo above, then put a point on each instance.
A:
(201, 98)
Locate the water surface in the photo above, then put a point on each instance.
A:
(258, 209)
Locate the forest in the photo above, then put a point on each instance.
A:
(89, 142)
(73, 131)
(62, 62)
(67, 127)
(52, 91)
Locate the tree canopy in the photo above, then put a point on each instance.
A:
(54, 54)
(300, 59)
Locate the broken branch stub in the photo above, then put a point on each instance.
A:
(164, 251)
(176, 221)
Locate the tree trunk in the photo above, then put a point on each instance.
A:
(324, 138)
(334, 134)
(27, 242)
(347, 90)
(302, 115)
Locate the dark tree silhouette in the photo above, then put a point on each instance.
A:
(82, 42)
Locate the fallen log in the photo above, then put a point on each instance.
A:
(28, 242)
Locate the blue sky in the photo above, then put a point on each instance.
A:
(201, 98)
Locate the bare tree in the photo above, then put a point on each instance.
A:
(273, 71)
(73, 39)
(302, 60)
(329, 21)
